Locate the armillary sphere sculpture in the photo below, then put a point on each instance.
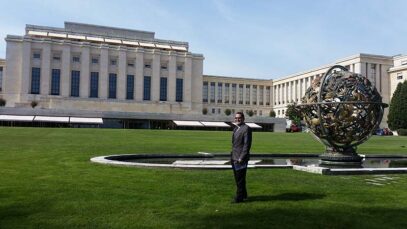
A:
(342, 109)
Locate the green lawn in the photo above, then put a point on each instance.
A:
(47, 181)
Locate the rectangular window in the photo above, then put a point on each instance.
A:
(94, 84)
(75, 79)
(247, 94)
(219, 92)
(163, 89)
(55, 81)
(130, 87)
(180, 68)
(164, 67)
(399, 76)
(147, 65)
(95, 60)
(179, 89)
(35, 80)
(240, 93)
(37, 55)
(112, 85)
(130, 64)
(227, 89)
(233, 93)
(212, 92)
(267, 96)
(76, 59)
(147, 88)
(56, 57)
(205, 92)
(113, 62)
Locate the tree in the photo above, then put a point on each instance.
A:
(293, 113)
(2, 102)
(272, 114)
(397, 118)
(205, 111)
(250, 113)
(228, 112)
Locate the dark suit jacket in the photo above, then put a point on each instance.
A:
(241, 143)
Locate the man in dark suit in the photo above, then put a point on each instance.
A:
(241, 143)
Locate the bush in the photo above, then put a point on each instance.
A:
(293, 112)
(205, 111)
(250, 113)
(397, 117)
(272, 114)
(34, 104)
(228, 112)
(402, 132)
(2, 102)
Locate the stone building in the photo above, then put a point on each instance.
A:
(133, 79)
(88, 67)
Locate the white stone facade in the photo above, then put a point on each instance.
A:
(33, 60)
(108, 53)
(290, 89)
(398, 73)
(236, 94)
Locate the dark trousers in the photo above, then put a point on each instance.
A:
(240, 179)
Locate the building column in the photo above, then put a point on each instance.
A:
(223, 93)
(26, 68)
(358, 68)
(45, 69)
(104, 72)
(284, 93)
(66, 71)
(297, 87)
(172, 77)
(84, 91)
(188, 79)
(209, 92)
(216, 92)
(304, 86)
(244, 94)
(280, 94)
(258, 96)
(273, 95)
(155, 76)
(139, 77)
(122, 74)
(264, 95)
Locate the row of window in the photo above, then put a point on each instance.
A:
(112, 62)
(112, 87)
(206, 97)
(281, 90)
(219, 111)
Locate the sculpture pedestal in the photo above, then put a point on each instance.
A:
(346, 156)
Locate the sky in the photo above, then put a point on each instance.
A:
(261, 39)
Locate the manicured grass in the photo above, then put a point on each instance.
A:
(47, 181)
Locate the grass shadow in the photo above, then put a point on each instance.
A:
(286, 197)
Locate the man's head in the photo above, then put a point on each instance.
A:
(239, 118)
